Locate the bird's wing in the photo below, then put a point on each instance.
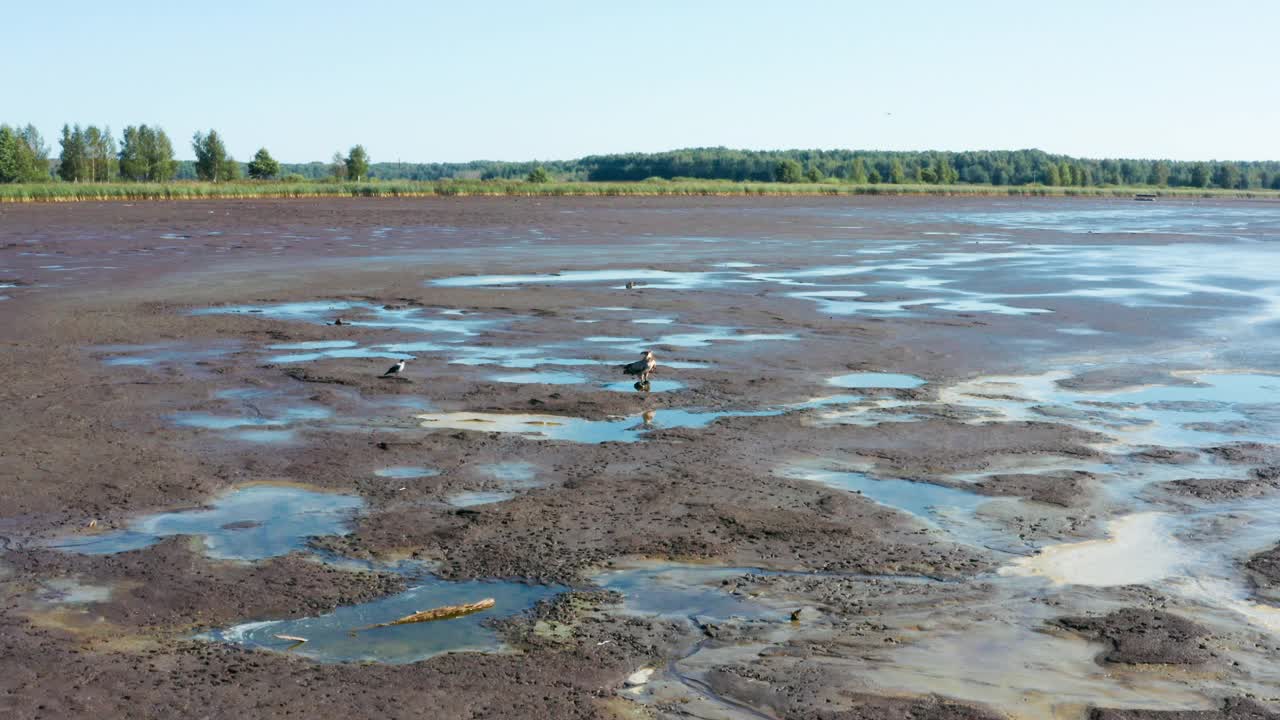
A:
(634, 368)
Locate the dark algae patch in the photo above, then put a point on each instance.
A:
(1145, 636)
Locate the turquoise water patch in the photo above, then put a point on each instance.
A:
(249, 523)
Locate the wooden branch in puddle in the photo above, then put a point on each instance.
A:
(445, 612)
(292, 638)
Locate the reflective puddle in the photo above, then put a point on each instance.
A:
(474, 498)
(406, 472)
(542, 378)
(359, 314)
(1139, 550)
(338, 637)
(1206, 408)
(560, 427)
(719, 334)
(1029, 673)
(876, 380)
(676, 591)
(651, 386)
(160, 354)
(256, 429)
(924, 500)
(659, 279)
(249, 523)
(71, 591)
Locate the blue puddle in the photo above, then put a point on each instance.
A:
(314, 345)
(568, 378)
(322, 350)
(359, 314)
(876, 380)
(924, 500)
(1215, 408)
(256, 429)
(216, 422)
(159, 354)
(652, 386)
(250, 523)
(518, 474)
(330, 638)
(519, 358)
(265, 437)
(406, 472)
(558, 427)
(511, 476)
(717, 334)
(474, 498)
(542, 378)
(658, 279)
(1229, 388)
(682, 592)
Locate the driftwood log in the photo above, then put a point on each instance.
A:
(441, 613)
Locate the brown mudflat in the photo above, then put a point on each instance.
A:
(110, 365)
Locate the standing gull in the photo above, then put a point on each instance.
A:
(394, 369)
(642, 367)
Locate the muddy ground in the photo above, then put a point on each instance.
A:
(89, 443)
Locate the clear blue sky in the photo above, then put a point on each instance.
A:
(436, 81)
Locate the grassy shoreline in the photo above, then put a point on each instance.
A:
(73, 192)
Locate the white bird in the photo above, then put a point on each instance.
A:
(641, 367)
(394, 369)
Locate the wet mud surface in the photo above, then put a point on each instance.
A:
(900, 458)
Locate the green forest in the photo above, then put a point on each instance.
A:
(145, 153)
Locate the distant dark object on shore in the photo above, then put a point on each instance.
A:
(1144, 197)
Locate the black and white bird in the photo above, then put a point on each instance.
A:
(642, 367)
(394, 369)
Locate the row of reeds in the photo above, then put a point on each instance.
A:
(187, 190)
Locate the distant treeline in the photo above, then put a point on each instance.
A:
(987, 167)
(145, 154)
